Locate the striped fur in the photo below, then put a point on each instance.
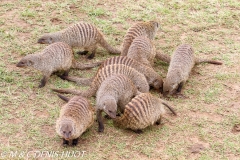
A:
(113, 94)
(138, 79)
(142, 111)
(181, 64)
(153, 78)
(80, 35)
(142, 50)
(148, 29)
(55, 57)
(75, 118)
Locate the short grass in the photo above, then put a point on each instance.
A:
(206, 116)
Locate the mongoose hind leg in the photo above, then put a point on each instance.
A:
(75, 142)
(158, 122)
(100, 121)
(65, 142)
(82, 52)
(43, 81)
(64, 75)
(138, 131)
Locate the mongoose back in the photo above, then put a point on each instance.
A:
(80, 35)
(142, 111)
(181, 64)
(112, 96)
(75, 118)
(138, 79)
(142, 50)
(148, 29)
(166, 58)
(55, 57)
(153, 78)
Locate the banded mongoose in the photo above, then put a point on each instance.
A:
(55, 57)
(153, 78)
(138, 79)
(80, 35)
(142, 50)
(181, 64)
(148, 29)
(112, 96)
(142, 111)
(75, 118)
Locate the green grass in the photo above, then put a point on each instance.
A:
(207, 114)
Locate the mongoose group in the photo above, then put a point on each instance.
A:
(121, 84)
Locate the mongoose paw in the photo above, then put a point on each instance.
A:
(100, 129)
(63, 77)
(75, 142)
(91, 56)
(65, 143)
(41, 85)
(180, 95)
(82, 52)
(138, 131)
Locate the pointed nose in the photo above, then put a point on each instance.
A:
(40, 41)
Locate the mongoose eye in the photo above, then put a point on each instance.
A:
(70, 132)
(109, 111)
(64, 132)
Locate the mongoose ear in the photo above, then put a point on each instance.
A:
(51, 40)
(30, 63)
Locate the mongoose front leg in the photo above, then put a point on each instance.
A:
(107, 117)
(43, 81)
(100, 121)
(65, 142)
(82, 52)
(75, 142)
(91, 56)
(179, 91)
(180, 87)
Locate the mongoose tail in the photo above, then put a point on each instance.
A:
(170, 108)
(198, 61)
(108, 47)
(87, 93)
(77, 65)
(79, 81)
(63, 97)
(163, 57)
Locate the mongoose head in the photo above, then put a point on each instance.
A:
(67, 129)
(26, 62)
(158, 84)
(110, 107)
(169, 87)
(48, 38)
(153, 27)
